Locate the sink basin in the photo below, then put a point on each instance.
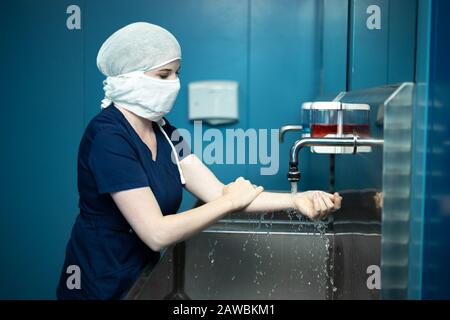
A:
(278, 255)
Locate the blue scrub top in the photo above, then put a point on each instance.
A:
(112, 157)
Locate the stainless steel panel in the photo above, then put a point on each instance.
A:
(353, 254)
(230, 265)
(226, 265)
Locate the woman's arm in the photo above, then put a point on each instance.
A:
(202, 183)
(140, 208)
(313, 204)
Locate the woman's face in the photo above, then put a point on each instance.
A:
(168, 71)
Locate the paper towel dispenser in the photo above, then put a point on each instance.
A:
(215, 102)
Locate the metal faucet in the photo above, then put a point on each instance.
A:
(355, 142)
(287, 128)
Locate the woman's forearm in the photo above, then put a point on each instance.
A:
(202, 183)
(178, 227)
(271, 201)
(141, 210)
(187, 223)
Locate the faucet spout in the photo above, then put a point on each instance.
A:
(355, 142)
(287, 128)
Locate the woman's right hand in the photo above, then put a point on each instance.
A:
(241, 193)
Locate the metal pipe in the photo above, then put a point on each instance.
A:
(355, 142)
(287, 128)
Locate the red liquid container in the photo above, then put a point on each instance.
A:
(361, 130)
(356, 119)
(322, 130)
(336, 119)
(324, 118)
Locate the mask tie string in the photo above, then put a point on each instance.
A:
(183, 181)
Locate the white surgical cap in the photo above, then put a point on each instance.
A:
(138, 46)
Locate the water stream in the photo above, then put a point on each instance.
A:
(258, 244)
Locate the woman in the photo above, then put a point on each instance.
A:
(129, 187)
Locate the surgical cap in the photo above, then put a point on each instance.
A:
(138, 46)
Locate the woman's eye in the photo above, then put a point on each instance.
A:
(163, 76)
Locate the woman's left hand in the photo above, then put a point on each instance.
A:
(317, 204)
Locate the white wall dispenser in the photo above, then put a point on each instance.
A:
(215, 102)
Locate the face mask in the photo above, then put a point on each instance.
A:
(145, 96)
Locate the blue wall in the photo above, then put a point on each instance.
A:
(436, 236)
(418, 163)
(52, 89)
(282, 53)
(354, 58)
(429, 259)
(40, 128)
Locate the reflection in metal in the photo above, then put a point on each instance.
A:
(179, 258)
(372, 96)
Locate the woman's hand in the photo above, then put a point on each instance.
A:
(241, 193)
(317, 204)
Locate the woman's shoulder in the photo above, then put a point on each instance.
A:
(107, 121)
(105, 126)
(108, 118)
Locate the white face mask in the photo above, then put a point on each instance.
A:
(143, 95)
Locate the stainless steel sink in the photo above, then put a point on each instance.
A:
(274, 256)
